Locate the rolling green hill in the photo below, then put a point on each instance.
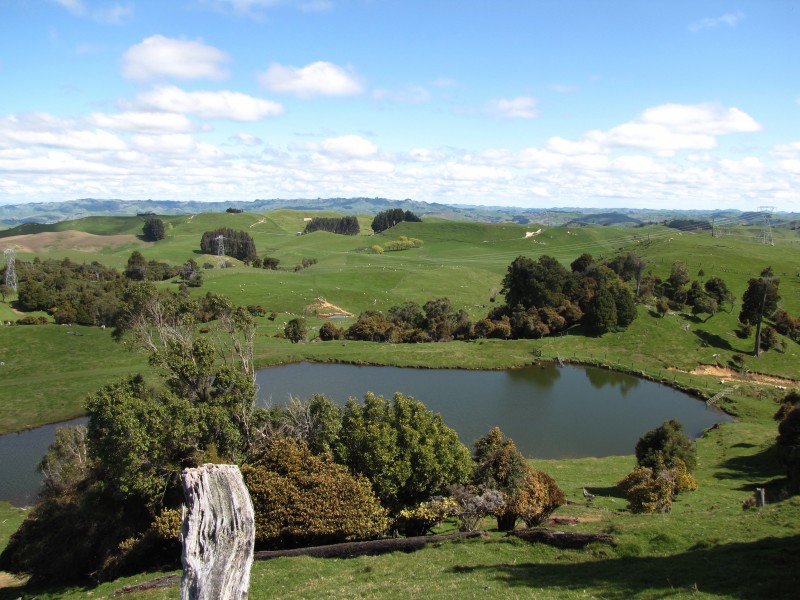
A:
(708, 547)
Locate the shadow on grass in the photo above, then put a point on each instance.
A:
(25, 592)
(713, 340)
(753, 468)
(765, 568)
(611, 491)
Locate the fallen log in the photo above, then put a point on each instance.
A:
(372, 547)
(561, 539)
(346, 550)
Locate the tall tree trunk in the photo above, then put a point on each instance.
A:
(218, 534)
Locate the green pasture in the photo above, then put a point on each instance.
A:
(707, 547)
(49, 371)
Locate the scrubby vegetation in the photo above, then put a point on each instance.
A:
(677, 328)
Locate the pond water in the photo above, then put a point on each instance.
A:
(550, 412)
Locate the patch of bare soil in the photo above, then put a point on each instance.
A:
(327, 310)
(529, 234)
(67, 240)
(727, 375)
(7, 580)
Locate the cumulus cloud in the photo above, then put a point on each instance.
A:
(44, 130)
(153, 122)
(669, 128)
(349, 146)
(729, 19)
(245, 139)
(316, 79)
(223, 104)
(176, 144)
(158, 56)
(521, 107)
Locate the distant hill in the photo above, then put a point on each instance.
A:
(54, 212)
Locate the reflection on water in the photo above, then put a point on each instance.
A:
(550, 412)
(20, 453)
(600, 378)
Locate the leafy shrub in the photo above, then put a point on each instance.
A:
(475, 503)
(302, 499)
(662, 445)
(329, 332)
(407, 452)
(646, 492)
(426, 515)
(529, 494)
(788, 444)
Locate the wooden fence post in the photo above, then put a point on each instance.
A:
(218, 534)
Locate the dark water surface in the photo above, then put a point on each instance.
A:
(550, 412)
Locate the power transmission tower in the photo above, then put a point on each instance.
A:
(766, 234)
(220, 251)
(11, 273)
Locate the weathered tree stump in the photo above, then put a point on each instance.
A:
(218, 534)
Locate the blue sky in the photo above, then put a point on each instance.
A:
(645, 103)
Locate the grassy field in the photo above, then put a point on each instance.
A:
(707, 547)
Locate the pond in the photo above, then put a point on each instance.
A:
(550, 412)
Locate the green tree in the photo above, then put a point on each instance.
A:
(659, 448)
(601, 315)
(499, 465)
(718, 289)
(154, 229)
(295, 330)
(537, 283)
(406, 451)
(137, 267)
(678, 275)
(760, 300)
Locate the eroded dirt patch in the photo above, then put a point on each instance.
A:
(729, 375)
(327, 310)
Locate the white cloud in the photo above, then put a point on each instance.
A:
(245, 139)
(414, 94)
(115, 14)
(152, 122)
(42, 129)
(522, 107)
(669, 128)
(159, 56)
(176, 144)
(222, 104)
(729, 19)
(349, 146)
(316, 79)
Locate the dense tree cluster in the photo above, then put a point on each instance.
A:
(688, 224)
(347, 225)
(389, 218)
(141, 269)
(237, 244)
(154, 229)
(436, 321)
(87, 294)
(543, 298)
